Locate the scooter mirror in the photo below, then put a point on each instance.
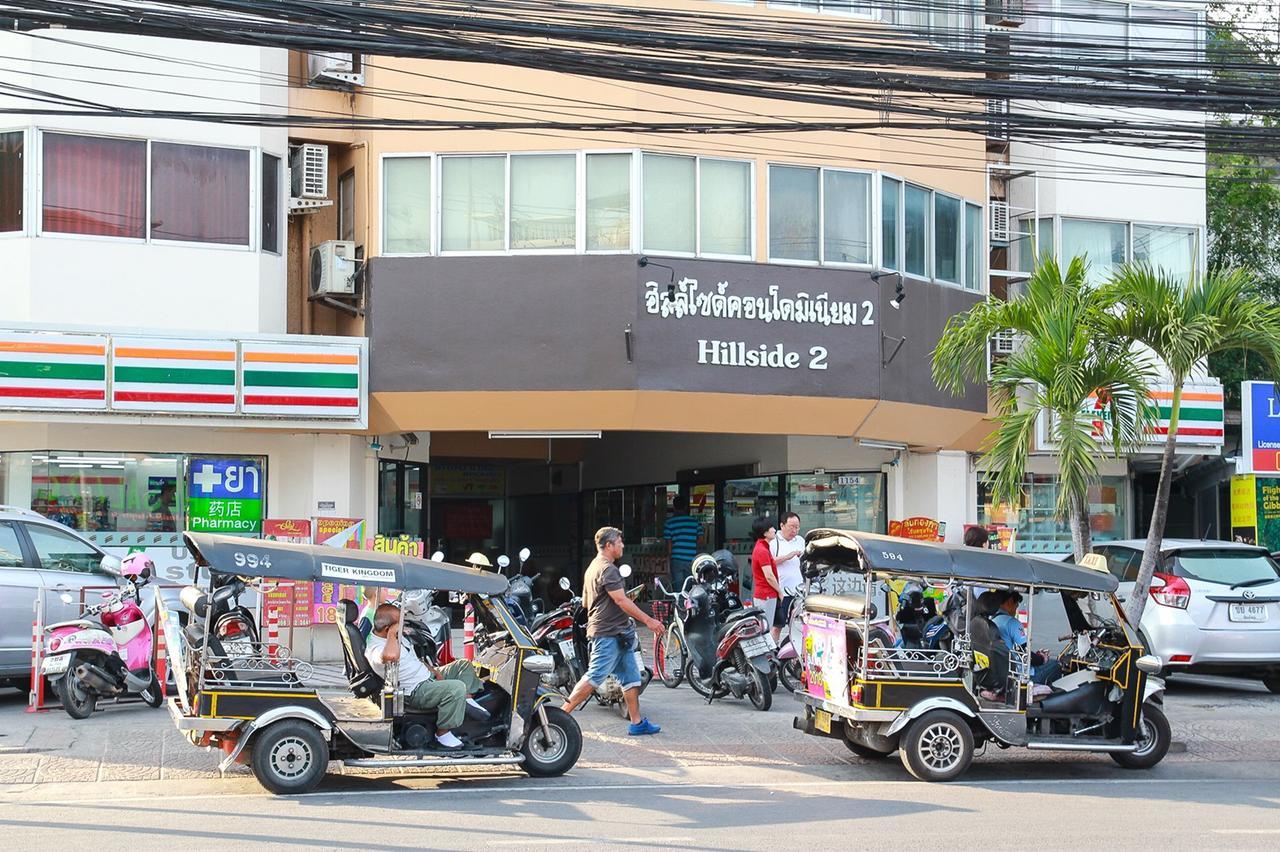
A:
(565, 584)
(525, 554)
(624, 570)
(66, 598)
(503, 561)
(438, 556)
(110, 565)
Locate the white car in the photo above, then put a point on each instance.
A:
(1214, 608)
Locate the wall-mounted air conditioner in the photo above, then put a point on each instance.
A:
(334, 69)
(1002, 342)
(1000, 222)
(333, 269)
(1005, 13)
(309, 171)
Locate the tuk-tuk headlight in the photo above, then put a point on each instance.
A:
(539, 663)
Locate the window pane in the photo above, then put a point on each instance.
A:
(406, 205)
(95, 186)
(793, 213)
(271, 203)
(1171, 250)
(11, 157)
(890, 219)
(57, 551)
(846, 227)
(544, 201)
(725, 210)
(668, 203)
(347, 206)
(1092, 29)
(916, 231)
(107, 492)
(10, 550)
(608, 202)
(1103, 244)
(1046, 238)
(473, 204)
(1039, 530)
(823, 503)
(973, 246)
(199, 194)
(946, 243)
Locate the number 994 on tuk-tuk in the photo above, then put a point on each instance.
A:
(288, 717)
(958, 667)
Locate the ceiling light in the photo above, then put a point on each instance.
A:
(881, 445)
(544, 434)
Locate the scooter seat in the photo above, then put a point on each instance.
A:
(80, 623)
(748, 612)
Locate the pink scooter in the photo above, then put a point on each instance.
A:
(85, 662)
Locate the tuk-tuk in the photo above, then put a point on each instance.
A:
(957, 682)
(288, 717)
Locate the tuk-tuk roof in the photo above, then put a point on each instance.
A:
(253, 557)
(862, 552)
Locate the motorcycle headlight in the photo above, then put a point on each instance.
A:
(539, 663)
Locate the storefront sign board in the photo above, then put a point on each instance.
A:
(1255, 510)
(1260, 428)
(918, 529)
(175, 375)
(467, 480)
(402, 545)
(53, 371)
(297, 380)
(1200, 418)
(340, 532)
(224, 495)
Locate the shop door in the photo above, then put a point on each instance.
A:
(402, 501)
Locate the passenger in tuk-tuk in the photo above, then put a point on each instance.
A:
(446, 690)
(1044, 669)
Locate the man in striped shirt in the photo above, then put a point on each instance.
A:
(683, 531)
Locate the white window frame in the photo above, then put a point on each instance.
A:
(1198, 230)
(633, 205)
(984, 278)
(438, 224)
(873, 219)
(786, 261)
(819, 7)
(928, 235)
(1057, 228)
(639, 201)
(751, 212)
(933, 240)
(579, 207)
(282, 204)
(432, 245)
(255, 212)
(901, 229)
(28, 184)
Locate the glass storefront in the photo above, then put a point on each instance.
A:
(854, 501)
(744, 501)
(1038, 531)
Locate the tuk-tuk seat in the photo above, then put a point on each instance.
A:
(364, 681)
(838, 605)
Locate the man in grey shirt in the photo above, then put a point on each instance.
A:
(610, 632)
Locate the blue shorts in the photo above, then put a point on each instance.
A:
(608, 657)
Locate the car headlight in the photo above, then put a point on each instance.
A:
(539, 663)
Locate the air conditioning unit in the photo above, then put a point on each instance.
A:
(1005, 13)
(1000, 222)
(333, 268)
(1002, 342)
(309, 171)
(334, 69)
(997, 118)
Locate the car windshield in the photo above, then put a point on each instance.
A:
(1228, 567)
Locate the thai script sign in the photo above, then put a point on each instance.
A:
(685, 298)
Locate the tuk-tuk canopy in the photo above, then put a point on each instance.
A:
(866, 552)
(253, 557)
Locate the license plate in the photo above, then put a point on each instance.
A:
(566, 648)
(822, 721)
(1245, 612)
(756, 646)
(55, 665)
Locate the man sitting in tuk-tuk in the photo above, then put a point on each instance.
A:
(447, 690)
(1044, 669)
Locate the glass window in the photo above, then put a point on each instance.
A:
(102, 492)
(890, 222)
(1160, 35)
(10, 549)
(846, 227)
(94, 186)
(347, 206)
(57, 551)
(793, 213)
(1169, 249)
(1123, 563)
(854, 501)
(1242, 568)
(1103, 244)
(1092, 29)
(271, 203)
(946, 242)
(669, 203)
(473, 204)
(11, 157)
(199, 194)
(973, 246)
(406, 205)
(1038, 531)
(744, 500)
(724, 211)
(916, 231)
(544, 201)
(608, 202)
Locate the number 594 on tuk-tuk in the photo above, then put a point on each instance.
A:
(967, 674)
(288, 718)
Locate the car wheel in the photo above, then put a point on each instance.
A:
(555, 750)
(938, 746)
(1272, 683)
(1154, 737)
(290, 757)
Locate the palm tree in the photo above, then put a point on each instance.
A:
(1060, 365)
(1183, 324)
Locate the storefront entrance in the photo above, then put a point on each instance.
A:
(402, 498)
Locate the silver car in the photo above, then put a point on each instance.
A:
(1214, 608)
(36, 553)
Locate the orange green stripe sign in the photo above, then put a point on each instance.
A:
(1200, 418)
(291, 379)
(39, 370)
(158, 374)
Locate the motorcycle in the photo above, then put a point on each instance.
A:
(722, 648)
(87, 661)
(234, 629)
(519, 595)
(426, 626)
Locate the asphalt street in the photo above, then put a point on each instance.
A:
(718, 777)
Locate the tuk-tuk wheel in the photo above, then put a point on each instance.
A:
(938, 746)
(289, 756)
(554, 751)
(1154, 737)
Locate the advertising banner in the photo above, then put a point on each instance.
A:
(1244, 509)
(290, 601)
(918, 529)
(402, 545)
(224, 495)
(345, 533)
(1260, 428)
(291, 530)
(825, 662)
(453, 479)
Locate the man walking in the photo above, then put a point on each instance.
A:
(610, 632)
(682, 530)
(787, 546)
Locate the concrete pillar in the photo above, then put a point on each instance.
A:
(938, 485)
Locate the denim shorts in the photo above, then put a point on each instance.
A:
(609, 657)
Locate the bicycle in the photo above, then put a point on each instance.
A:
(669, 646)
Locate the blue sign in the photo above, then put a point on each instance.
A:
(1260, 425)
(224, 479)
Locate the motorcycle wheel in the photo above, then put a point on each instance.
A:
(760, 694)
(669, 658)
(790, 673)
(78, 701)
(152, 695)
